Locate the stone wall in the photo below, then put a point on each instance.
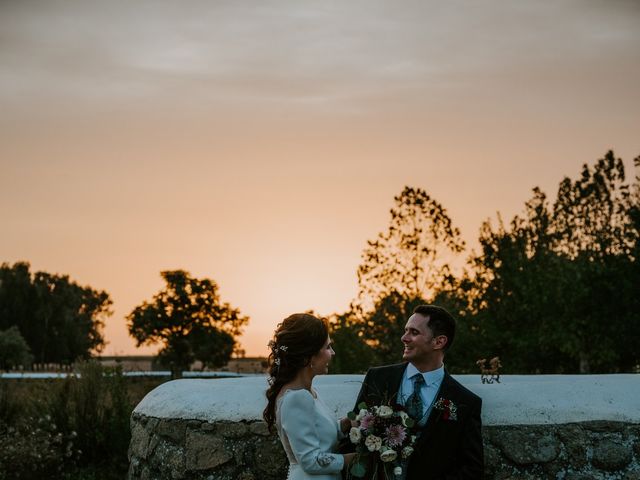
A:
(210, 429)
(199, 450)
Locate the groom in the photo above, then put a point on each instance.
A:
(449, 445)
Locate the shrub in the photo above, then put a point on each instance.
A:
(96, 405)
(14, 351)
(9, 405)
(45, 423)
(35, 449)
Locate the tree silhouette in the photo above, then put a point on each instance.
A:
(411, 257)
(60, 320)
(402, 268)
(591, 214)
(14, 351)
(555, 289)
(189, 320)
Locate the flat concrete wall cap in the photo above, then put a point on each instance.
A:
(517, 400)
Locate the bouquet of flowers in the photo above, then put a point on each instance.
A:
(383, 438)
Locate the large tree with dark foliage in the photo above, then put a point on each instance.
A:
(60, 320)
(556, 291)
(189, 320)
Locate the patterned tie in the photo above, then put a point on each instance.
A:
(414, 401)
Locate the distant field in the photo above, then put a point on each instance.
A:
(28, 390)
(40, 389)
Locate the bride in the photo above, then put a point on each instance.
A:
(309, 432)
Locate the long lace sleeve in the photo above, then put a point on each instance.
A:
(298, 414)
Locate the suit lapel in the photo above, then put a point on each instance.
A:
(394, 380)
(435, 414)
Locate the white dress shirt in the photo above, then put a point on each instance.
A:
(428, 391)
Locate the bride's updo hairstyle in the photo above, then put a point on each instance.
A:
(298, 338)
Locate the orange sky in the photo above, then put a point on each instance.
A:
(261, 143)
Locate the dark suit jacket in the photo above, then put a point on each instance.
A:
(446, 449)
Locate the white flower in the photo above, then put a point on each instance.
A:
(388, 455)
(403, 416)
(397, 471)
(373, 443)
(355, 435)
(362, 413)
(406, 452)
(385, 411)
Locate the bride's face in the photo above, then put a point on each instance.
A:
(320, 361)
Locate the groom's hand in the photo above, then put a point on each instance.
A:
(346, 424)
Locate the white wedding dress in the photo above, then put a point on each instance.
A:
(309, 434)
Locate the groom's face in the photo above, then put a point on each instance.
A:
(417, 339)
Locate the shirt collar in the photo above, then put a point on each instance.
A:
(434, 377)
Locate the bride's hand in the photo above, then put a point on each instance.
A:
(348, 458)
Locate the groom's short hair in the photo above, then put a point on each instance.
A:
(439, 321)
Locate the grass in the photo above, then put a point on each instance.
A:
(71, 429)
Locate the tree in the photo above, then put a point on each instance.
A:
(189, 320)
(214, 351)
(593, 229)
(553, 295)
(14, 351)
(629, 354)
(591, 214)
(456, 296)
(405, 265)
(353, 354)
(411, 257)
(516, 286)
(60, 320)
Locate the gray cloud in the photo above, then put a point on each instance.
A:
(307, 53)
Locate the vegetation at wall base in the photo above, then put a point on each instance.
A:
(72, 429)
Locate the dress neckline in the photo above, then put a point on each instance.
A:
(281, 395)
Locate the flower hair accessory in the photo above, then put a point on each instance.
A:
(275, 351)
(448, 408)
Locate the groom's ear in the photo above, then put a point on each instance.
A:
(441, 342)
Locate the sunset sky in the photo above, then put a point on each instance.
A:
(260, 143)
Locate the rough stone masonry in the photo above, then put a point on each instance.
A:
(210, 429)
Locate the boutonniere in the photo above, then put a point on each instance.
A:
(448, 408)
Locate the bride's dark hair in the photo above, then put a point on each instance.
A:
(298, 338)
